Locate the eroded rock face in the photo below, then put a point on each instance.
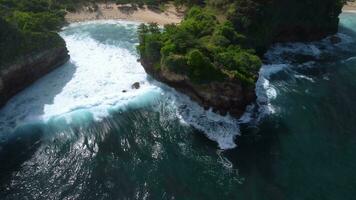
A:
(223, 97)
(271, 21)
(26, 70)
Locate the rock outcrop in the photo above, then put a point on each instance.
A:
(136, 85)
(267, 22)
(26, 70)
(223, 97)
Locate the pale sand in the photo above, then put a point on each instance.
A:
(111, 11)
(349, 7)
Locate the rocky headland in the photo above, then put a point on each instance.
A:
(18, 75)
(222, 97)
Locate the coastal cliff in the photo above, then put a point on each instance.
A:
(16, 76)
(30, 48)
(267, 22)
(223, 97)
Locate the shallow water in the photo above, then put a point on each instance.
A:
(75, 134)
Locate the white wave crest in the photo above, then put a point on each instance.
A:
(98, 77)
(221, 129)
(265, 91)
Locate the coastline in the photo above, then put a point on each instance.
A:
(349, 7)
(126, 12)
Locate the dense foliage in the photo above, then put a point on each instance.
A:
(28, 26)
(201, 47)
(267, 21)
(216, 41)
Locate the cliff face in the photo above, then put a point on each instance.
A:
(17, 76)
(204, 49)
(269, 21)
(223, 97)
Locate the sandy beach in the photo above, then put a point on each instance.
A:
(126, 12)
(349, 7)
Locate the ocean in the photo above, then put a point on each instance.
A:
(83, 131)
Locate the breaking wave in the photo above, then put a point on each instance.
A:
(98, 80)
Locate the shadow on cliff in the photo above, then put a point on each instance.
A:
(29, 104)
(20, 144)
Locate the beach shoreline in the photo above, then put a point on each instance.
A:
(349, 7)
(111, 11)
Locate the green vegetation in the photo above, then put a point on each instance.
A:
(271, 21)
(201, 47)
(28, 26)
(218, 39)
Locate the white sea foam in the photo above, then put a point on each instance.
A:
(93, 82)
(353, 58)
(94, 79)
(282, 57)
(101, 21)
(265, 91)
(102, 73)
(284, 52)
(99, 71)
(221, 129)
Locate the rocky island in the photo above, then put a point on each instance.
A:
(214, 54)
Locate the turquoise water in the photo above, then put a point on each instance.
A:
(76, 135)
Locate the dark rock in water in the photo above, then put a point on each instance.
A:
(335, 39)
(16, 76)
(136, 85)
(124, 91)
(224, 97)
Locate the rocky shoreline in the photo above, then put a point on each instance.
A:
(17, 76)
(227, 97)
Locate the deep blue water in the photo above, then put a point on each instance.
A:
(76, 135)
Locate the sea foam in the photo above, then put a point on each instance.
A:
(97, 77)
(103, 67)
(98, 80)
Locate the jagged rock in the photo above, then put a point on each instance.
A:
(136, 85)
(223, 97)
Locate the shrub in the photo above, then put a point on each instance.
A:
(201, 70)
(176, 63)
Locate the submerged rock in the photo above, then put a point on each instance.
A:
(16, 76)
(136, 85)
(335, 39)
